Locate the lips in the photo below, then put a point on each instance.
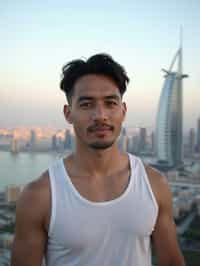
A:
(102, 132)
(100, 128)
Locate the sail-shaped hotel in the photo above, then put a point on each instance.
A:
(169, 136)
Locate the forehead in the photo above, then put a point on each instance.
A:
(96, 86)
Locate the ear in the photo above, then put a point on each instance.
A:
(124, 110)
(67, 113)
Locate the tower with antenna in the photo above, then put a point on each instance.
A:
(169, 121)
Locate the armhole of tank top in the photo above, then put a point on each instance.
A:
(149, 188)
(53, 199)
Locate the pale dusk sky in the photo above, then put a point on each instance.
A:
(37, 38)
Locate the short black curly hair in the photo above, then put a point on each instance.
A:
(102, 64)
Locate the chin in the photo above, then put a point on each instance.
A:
(101, 145)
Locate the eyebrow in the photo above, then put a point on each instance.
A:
(112, 97)
(85, 98)
(90, 98)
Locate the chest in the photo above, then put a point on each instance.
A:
(80, 226)
(101, 189)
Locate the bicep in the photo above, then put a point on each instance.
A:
(30, 237)
(164, 236)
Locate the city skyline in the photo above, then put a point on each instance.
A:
(134, 140)
(38, 38)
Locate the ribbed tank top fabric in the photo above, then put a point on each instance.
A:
(110, 233)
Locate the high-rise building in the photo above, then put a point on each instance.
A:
(191, 141)
(33, 139)
(170, 115)
(67, 140)
(135, 144)
(14, 145)
(130, 144)
(142, 139)
(54, 142)
(123, 140)
(198, 135)
(12, 193)
(153, 142)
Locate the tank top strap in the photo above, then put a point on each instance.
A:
(57, 183)
(141, 178)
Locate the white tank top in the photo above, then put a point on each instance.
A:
(110, 233)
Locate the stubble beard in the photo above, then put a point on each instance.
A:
(101, 145)
(98, 144)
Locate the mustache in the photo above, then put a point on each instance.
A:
(100, 126)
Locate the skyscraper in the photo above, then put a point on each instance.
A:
(33, 138)
(67, 140)
(198, 136)
(142, 139)
(54, 142)
(191, 141)
(153, 142)
(170, 115)
(14, 145)
(123, 140)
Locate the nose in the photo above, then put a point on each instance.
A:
(100, 113)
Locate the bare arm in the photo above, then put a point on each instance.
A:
(164, 236)
(30, 236)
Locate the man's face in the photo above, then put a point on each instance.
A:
(96, 111)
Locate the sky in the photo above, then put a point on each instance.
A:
(38, 37)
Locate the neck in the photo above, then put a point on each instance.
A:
(97, 162)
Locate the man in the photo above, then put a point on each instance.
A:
(99, 206)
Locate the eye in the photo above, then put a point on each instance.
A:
(85, 105)
(111, 103)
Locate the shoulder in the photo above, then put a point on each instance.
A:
(34, 200)
(36, 188)
(155, 176)
(159, 185)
